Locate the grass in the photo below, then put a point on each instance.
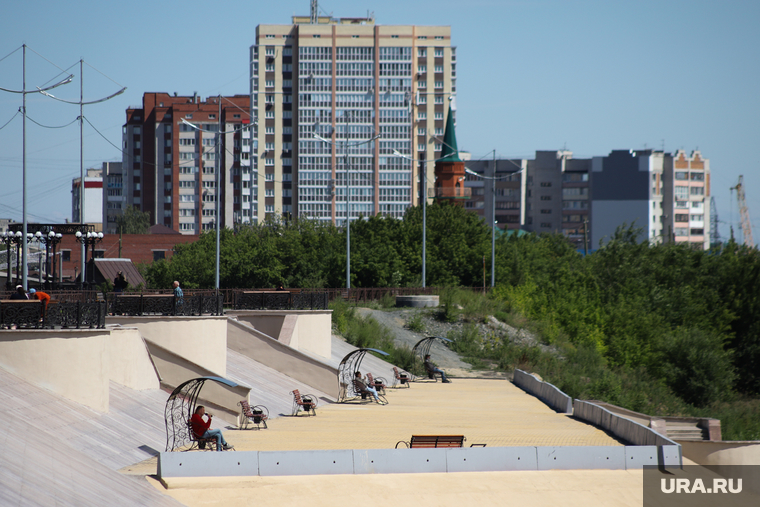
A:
(415, 323)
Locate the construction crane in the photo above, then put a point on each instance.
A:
(744, 213)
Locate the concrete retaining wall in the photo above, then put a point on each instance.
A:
(220, 399)
(305, 330)
(544, 391)
(244, 339)
(395, 461)
(625, 429)
(722, 453)
(201, 340)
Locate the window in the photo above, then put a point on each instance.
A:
(697, 190)
(270, 51)
(421, 131)
(439, 84)
(438, 146)
(438, 52)
(682, 218)
(439, 132)
(439, 116)
(421, 69)
(697, 176)
(682, 175)
(546, 212)
(158, 255)
(439, 68)
(439, 99)
(422, 85)
(697, 218)
(421, 53)
(421, 147)
(66, 254)
(421, 115)
(546, 198)
(546, 183)
(316, 36)
(270, 176)
(422, 37)
(270, 36)
(697, 232)
(439, 37)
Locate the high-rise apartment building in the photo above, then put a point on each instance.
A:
(666, 195)
(171, 156)
(347, 111)
(114, 200)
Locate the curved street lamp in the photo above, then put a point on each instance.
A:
(346, 145)
(23, 93)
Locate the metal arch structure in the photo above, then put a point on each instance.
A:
(422, 348)
(346, 370)
(180, 407)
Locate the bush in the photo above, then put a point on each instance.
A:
(696, 366)
(415, 323)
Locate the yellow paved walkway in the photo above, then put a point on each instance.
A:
(492, 412)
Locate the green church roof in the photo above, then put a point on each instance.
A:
(450, 152)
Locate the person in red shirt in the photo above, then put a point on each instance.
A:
(201, 428)
(42, 296)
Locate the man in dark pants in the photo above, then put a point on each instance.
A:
(432, 369)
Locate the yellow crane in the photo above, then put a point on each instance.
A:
(744, 213)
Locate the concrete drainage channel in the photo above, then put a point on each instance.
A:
(405, 461)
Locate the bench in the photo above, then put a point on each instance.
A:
(258, 414)
(400, 378)
(433, 441)
(307, 403)
(379, 383)
(360, 390)
(196, 442)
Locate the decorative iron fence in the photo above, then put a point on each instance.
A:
(165, 304)
(279, 300)
(31, 315)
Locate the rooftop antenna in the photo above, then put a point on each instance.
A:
(314, 12)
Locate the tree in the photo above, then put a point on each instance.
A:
(133, 221)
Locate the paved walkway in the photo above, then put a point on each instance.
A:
(492, 412)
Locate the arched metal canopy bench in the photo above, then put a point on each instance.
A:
(422, 347)
(346, 371)
(180, 407)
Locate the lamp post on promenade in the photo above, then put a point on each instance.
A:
(23, 93)
(90, 238)
(346, 145)
(218, 145)
(493, 180)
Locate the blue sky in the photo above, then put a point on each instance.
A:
(586, 75)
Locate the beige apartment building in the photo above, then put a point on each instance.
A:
(348, 115)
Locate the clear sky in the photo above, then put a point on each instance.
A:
(589, 76)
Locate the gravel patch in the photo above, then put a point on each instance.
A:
(396, 320)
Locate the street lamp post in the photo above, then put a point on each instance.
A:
(23, 93)
(10, 238)
(493, 210)
(218, 139)
(90, 238)
(346, 145)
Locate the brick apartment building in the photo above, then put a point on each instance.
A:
(170, 160)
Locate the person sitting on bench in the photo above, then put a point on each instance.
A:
(432, 369)
(361, 387)
(201, 429)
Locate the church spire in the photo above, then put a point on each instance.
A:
(450, 152)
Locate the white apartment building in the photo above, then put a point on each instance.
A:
(335, 101)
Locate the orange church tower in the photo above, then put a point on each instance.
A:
(449, 169)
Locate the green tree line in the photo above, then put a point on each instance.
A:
(686, 317)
